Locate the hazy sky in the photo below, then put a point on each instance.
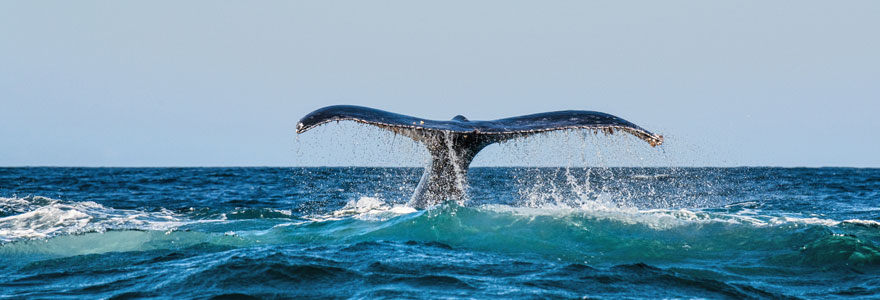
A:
(217, 83)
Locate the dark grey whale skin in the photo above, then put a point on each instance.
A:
(453, 144)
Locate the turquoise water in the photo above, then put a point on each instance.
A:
(608, 233)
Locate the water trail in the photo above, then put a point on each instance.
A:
(460, 174)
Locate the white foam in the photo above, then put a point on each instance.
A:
(647, 177)
(39, 217)
(654, 218)
(663, 219)
(364, 204)
(20, 205)
(803, 220)
(867, 223)
(366, 208)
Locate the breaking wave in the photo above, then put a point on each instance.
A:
(595, 233)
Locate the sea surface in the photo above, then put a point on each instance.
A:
(523, 233)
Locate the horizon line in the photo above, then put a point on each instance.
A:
(368, 166)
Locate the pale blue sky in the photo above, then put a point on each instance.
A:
(217, 83)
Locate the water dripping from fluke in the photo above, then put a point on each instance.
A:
(453, 144)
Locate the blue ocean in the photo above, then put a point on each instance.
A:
(522, 233)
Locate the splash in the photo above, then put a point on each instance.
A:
(366, 208)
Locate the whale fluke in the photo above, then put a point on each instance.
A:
(454, 143)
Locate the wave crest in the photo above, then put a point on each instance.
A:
(41, 217)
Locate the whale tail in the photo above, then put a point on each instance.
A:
(453, 144)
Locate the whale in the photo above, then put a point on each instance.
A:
(453, 144)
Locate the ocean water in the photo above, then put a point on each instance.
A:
(524, 233)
